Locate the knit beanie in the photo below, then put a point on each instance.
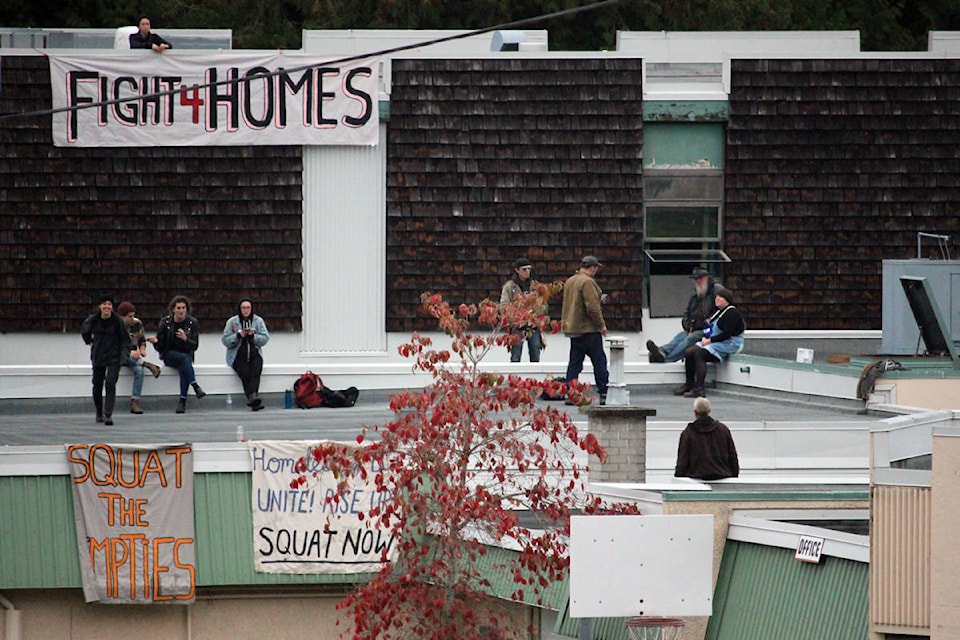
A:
(125, 308)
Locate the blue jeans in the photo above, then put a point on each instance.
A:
(184, 364)
(534, 346)
(589, 345)
(679, 344)
(137, 369)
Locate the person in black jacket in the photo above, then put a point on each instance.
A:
(145, 39)
(109, 344)
(700, 307)
(722, 337)
(706, 448)
(178, 337)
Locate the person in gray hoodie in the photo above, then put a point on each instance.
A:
(706, 450)
(244, 335)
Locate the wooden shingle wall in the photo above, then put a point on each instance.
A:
(490, 160)
(831, 167)
(145, 224)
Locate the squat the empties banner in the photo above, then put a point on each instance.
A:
(134, 516)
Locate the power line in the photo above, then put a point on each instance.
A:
(500, 27)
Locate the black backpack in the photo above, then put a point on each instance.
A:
(345, 398)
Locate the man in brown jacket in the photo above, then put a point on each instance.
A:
(582, 321)
(706, 450)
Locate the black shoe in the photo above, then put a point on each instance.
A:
(253, 400)
(197, 390)
(603, 399)
(656, 353)
(182, 405)
(682, 389)
(257, 406)
(696, 391)
(108, 420)
(99, 417)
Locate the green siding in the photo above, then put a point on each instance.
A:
(38, 543)
(38, 539)
(763, 593)
(223, 516)
(770, 495)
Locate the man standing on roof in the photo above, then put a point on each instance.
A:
(706, 450)
(109, 345)
(582, 321)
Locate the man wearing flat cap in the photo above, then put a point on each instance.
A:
(582, 321)
(700, 307)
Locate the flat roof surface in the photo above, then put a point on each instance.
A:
(57, 421)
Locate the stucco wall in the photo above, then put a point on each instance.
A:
(63, 615)
(930, 394)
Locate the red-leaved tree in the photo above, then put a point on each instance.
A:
(463, 458)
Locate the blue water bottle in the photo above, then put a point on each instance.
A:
(288, 399)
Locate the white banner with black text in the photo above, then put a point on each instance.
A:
(303, 529)
(145, 99)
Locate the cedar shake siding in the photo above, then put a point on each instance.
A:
(145, 224)
(489, 160)
(831, 167)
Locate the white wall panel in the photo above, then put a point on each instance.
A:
(344, 248)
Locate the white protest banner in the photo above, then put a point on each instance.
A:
(134, 514)
(300, 530)
(214, 99)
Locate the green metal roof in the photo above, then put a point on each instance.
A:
(762, 592)
(923, 367)
(603, 628)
